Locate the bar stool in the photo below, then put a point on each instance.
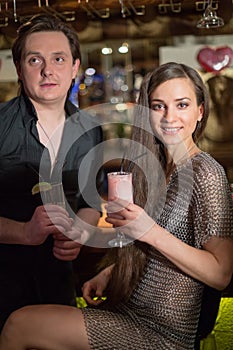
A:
(209, 310)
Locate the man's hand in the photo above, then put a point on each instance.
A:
(65, 248)
(46, 220)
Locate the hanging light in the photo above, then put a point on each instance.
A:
(210, 19)
(124, 48)
(106, 50)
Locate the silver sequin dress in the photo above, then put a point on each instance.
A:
(163, 311)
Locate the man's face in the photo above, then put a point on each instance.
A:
(47, 67)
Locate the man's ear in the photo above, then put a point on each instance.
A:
(75, 68)
(18, 70)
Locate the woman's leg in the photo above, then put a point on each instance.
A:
(45, 327)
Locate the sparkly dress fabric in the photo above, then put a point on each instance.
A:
(163, 311)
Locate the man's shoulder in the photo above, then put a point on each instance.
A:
(8, 107)
(11, 114)
(85, 119)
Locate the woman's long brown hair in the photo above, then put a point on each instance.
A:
(130, 261)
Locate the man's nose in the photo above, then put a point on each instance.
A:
(47, 68)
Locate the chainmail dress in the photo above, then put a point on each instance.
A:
(163, 311)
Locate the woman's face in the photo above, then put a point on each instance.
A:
(174, 112)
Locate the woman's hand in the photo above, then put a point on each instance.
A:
(130, 218)
(94, 288)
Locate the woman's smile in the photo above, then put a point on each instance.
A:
(171, 130)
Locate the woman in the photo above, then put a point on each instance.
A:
(184, 237)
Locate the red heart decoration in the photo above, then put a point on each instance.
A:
(214, 60)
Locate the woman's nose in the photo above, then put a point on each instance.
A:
(169, 115)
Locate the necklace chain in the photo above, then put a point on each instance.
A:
(50, 143)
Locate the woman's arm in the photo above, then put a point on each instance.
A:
(96, 286)
(213, 265)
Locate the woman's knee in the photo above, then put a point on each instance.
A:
(12, 329)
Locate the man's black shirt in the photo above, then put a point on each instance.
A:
(24, 161)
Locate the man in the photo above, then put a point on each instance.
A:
(43, 138)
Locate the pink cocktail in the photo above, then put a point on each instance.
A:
(120, 186)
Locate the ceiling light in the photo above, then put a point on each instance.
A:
(106, 50)
(124, 48)
(210, 19)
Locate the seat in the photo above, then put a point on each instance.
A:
(209, 310)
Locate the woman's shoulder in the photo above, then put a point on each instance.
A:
(205, 163)
(207, 171)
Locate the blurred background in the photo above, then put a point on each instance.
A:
(121, 40)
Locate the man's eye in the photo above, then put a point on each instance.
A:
(34, 60)
(60, 59)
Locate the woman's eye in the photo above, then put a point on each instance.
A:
(158, 107)
(183, 105)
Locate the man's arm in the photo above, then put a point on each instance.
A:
(46, 220)
(12, 232)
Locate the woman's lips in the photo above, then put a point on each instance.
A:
(171, 130)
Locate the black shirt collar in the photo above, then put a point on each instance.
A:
(29, 112)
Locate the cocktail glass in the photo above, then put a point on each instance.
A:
(54, 195)
(120, 186)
